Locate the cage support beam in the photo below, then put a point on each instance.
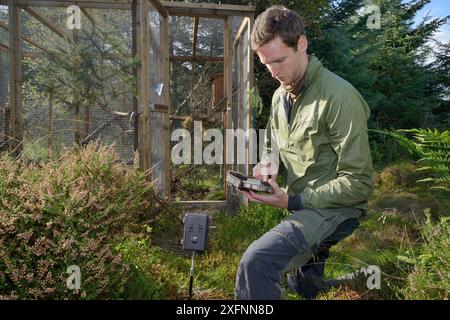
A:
(143, 49)
(48, 23)
(228, 88)
(208, 10)
(166, 97)
(32, 42)
(160, 8)
(92, 4)
(194, 49)
(250, 77)
(15, 79)
(196, 58)
(171, 7)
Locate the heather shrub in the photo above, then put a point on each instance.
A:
(70, 211)
(430, 275)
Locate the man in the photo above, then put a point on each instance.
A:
(319, 124)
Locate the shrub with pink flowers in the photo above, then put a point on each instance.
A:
(70, 211)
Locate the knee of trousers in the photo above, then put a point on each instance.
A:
(252, 257)
(276, 249)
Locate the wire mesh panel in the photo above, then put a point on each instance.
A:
(196, 100)
(159, 114)
(156, 57)
(210, 37)
(4, 109)
(180, 35)
(78, 85)
(159, 134)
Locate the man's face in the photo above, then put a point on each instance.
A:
(284, 63)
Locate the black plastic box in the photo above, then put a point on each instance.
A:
(196, 227)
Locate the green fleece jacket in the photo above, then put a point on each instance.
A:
(324, 149)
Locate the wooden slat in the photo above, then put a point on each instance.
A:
(195, 37)
(91, 19)
(139, 84)
(160, 8)
(194, 50)
(48, 23)
(15, 79)
(94, 133)
(242, 28)
(172, 7)
(36, 45)
(204, 15)
(165, 61)
(239, 51)
(196, 58)
(161, 108)
(143, 50)
(166, 100)
(206, 9)
(249, 87)
(93, 4)
(92, 55)
(32, 42)
(134, 45)
(228, 87)
(146, 83)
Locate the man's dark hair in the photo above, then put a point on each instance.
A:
(277, 21)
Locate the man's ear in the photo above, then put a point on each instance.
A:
(302, 44)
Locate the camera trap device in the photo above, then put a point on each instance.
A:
(196, 226)
(241, 182)
(195, 238)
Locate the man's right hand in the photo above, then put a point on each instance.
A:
(265, 170)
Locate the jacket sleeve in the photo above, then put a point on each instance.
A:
(346, 123)
(270, 148)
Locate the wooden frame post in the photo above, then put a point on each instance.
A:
(240, 68)
(143, 51)
(228, 87)
(194, 50)
(250, 85)
(15, 79)
(244, 119)
(166, 98)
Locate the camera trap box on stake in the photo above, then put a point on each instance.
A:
(196, 227)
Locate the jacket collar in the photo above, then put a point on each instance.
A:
(314, 66)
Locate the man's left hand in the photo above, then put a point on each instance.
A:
(279, 198)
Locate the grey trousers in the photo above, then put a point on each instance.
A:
(299, 244)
